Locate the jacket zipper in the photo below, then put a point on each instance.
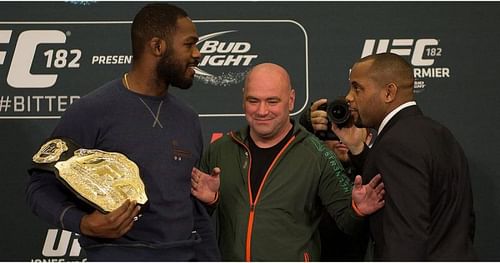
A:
(253, 203)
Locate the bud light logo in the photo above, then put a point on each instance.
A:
(217, 53)
(230, 48)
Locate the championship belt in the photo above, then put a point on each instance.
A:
(102, 179)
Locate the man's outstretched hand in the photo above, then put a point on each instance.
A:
(204, 186)
(368, 198)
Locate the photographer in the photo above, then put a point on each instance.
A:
(335, 245)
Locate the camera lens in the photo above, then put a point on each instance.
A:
(338, 111)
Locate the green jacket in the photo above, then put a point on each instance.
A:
(281, 224)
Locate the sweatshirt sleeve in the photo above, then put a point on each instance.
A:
(206, 166)
(335, 191)
(51, 201)
(47, 197)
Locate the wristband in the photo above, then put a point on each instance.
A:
(356, 209)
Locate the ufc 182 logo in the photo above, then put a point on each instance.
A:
(422, 51)
(20, 72)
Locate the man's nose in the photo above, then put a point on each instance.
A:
(263, 109)
(196, 53)
(349, 97)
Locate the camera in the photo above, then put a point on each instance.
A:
(338, 112)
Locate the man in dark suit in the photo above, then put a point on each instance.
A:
(428, 213)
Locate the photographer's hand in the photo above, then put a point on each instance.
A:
(353, 137)
(319, 118)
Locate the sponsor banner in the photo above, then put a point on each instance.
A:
(59, 246)
(46, 66)
(230, 48)
(424, 54)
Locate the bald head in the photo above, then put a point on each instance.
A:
(268, 73)
(268, 99)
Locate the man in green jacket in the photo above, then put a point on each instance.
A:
(270, 181)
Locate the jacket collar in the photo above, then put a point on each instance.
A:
(413, 110)
(298, 130)
(394, 112)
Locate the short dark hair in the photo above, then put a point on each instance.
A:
(393, 65)
(154, 20)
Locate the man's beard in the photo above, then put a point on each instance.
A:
(358, 122)
(173, 72)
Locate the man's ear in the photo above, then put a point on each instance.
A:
(391, 90)
(157, 46)
(291, 100)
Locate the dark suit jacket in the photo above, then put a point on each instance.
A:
(428, 213)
